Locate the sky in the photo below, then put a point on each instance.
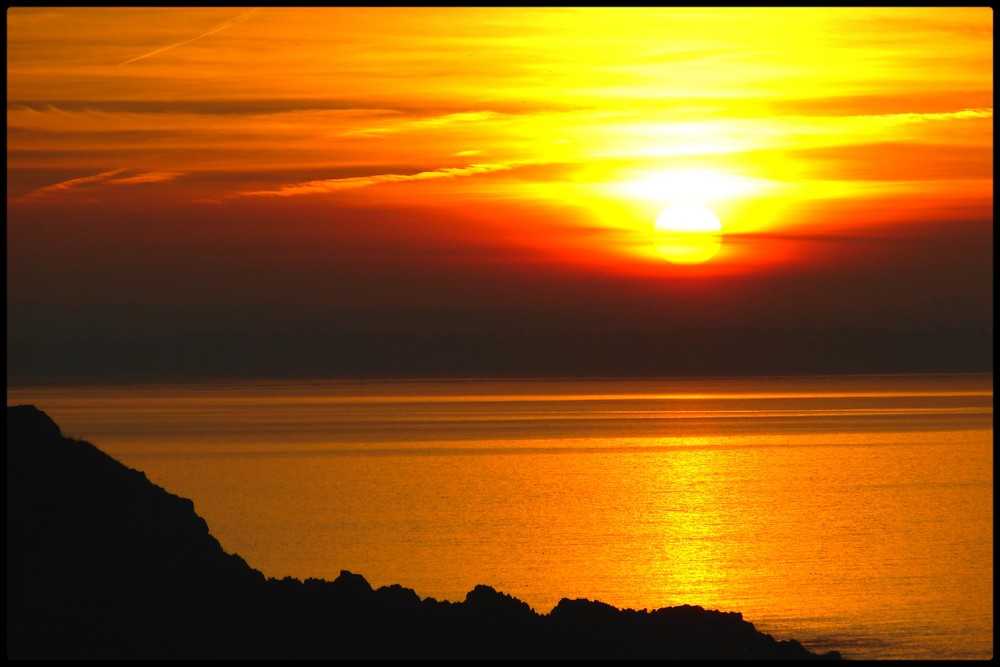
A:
(205, 193)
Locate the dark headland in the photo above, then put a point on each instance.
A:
(101, 563)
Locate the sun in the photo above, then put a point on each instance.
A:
(688, 233)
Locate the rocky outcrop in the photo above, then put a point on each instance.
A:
(101, 563)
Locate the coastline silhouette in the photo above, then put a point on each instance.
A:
(102, 563)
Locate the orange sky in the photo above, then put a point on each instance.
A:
(511, 161)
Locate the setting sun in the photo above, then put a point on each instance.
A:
(688, 233)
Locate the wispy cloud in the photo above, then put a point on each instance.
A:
(211, 31)
(906, 118)
(56, 189)
(148, 177)
(335, 184)
(424, 123)
(104, 178)
(223, 106)
(22, 19)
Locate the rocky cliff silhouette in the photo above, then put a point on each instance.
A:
(101, 563)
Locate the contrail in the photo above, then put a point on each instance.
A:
(48, 190)
(104, 178)
(222, 26)
(333, 184)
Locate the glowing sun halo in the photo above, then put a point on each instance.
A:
(688, 233)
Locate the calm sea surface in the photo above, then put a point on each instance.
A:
(850, 513)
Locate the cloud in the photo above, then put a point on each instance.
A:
(148, 177)
(436, 121)
(875, 104)
(212, 107)
(17, 18)
(907, 118)
(910, 160)
(335, 184)
(211, 31)
(103, 178)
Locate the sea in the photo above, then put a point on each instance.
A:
(851, 513)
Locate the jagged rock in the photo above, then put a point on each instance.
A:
(353, 586)
(397, 596)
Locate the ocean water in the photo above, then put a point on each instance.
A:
(850, 513)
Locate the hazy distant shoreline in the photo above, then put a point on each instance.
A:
(361, 381)
(675, 353)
